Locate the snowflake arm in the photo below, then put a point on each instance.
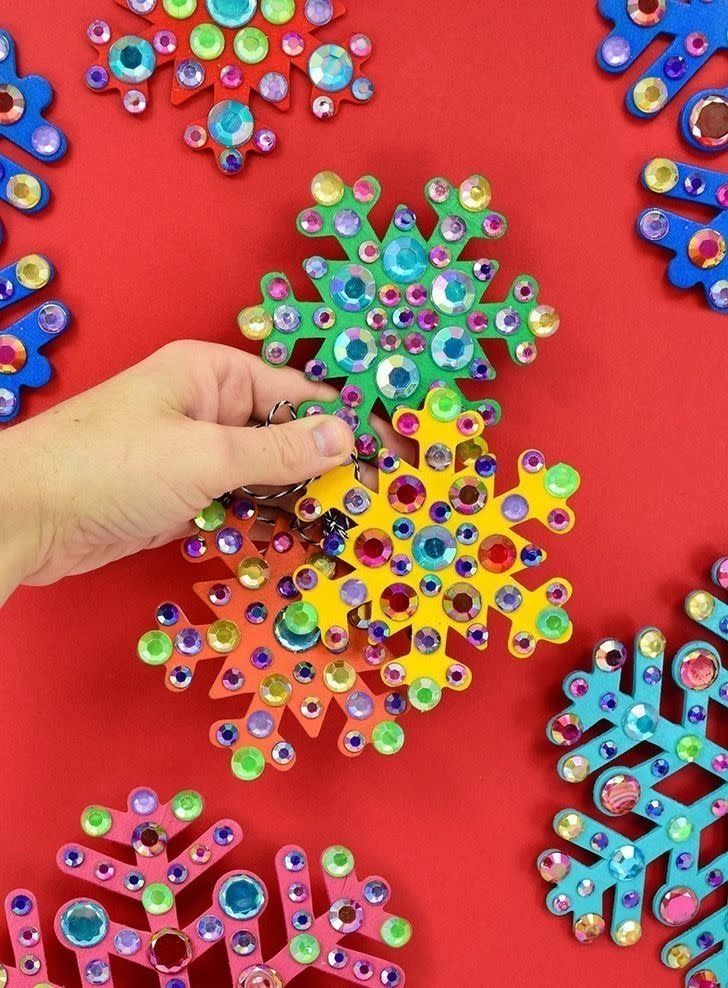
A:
(269, 666)
(21, 362)
(698, 31)
(707, 609)
(237, 48)
(699, 248)
(677, 827)
(436, 542)
(22, 102)
(23, 922)
(403, 310)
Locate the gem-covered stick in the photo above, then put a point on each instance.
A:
(238, 902)
(21, 363)
(272, 665)
(237, 48)
(404, 311)
(699, 249)
(429, 551)
(23, 921)
(699, 29)
(22, 102)
(677, 827)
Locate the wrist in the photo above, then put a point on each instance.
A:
(19, 516)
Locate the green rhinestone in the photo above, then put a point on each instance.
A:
(301, 618)
(251, 45)
(444, 404)
(337, 861)
(679, 829)
(211, 517)
(304, 948)
(278, 11)
(157, 899)
(247, 764)
(396, 932)
(688, 747)
(207, 41)
(154, 648)
(187, 805)
(561, 480)
(96, 821)
(553, 622)
(388, 737)
(180, 8)
(424, 694)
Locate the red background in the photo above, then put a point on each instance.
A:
(152, 244)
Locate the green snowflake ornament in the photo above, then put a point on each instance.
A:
(401, 312)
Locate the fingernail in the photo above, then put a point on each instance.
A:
(332, 438)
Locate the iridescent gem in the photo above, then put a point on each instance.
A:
(230, 123)
(355, 350)
(242, 897)
(404, 260)
(330, 68)
(453, 292)
(452, 347)
(627, 863)
(462, 602)
(434, 548)
(353, 288)
(397, 377)
(132, 59)
(640, 721)
(620, 794)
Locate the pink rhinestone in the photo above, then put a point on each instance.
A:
(278, 289)
(407, 424)
(231, 76)
(364, 190)
(311, 221)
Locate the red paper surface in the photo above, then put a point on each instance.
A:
(152, 244)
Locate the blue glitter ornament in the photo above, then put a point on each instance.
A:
(21, 363)
(22, 102)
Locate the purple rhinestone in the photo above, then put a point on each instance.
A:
(287, 588)
(347, 222)
(615, 51)
(260, 724)
(715, 878)
(261, 657)
(514, 507)
(188, 641)
(706, 941)
(694, 184)
(630, 900)
(652, 675)
(46, 140)
(6, 289)
(675, 67)
(233, 680)
(608, 701)
(684, 861)
(229, 541)
(273, 87)
(395, 704)
(696, 714)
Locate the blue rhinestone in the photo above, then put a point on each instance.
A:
(652, 675)
(660, 767)
(640, 722)
(608, 749)
(706, 941)
(84, 924)
(404, 259)
(675, 67)
(608, 701)
(655, 809)
(353, 288)
(330, 68)
(395, 703)
(231, 13)
(355, 350)
(684, 861)
(403, 528)
(132, 59)
(434, 548)
(696, 714)
(230, 123)
(626, 863)
(452, 347)
(242, 897)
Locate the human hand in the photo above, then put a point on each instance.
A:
(125, 466)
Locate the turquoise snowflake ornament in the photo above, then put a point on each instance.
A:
(22, 102)
(21, 363)
(612, 732)
(402, 311)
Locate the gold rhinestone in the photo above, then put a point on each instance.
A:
(24, 191)
(475, 193)
(700, 605)
(275, 690)
(327, 188)
(339, 676)
(253, 572)
(661, 175)
(223, 636)
(570, 826)
(575, 768)
(650, 94)
(651, 643)
(255, 323)
(33, 271)
(678, 956)
(543, 320)
(628, 933)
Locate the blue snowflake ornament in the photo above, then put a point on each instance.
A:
(21, 363)
(629, 782)
(699, 248)
(699, 29)
(22, 102)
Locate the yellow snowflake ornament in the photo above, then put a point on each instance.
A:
(435, 548)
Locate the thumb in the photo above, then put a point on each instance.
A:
(277, 455)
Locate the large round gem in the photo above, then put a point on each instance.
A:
(678, 905)
(453, 292)
(497, 553)
(405, 259)
(566, 729)
(406, 494)
(278, 11)
(646, 13)
(397, 377)
(13, 355)
(207, 41)
(132, 59)
(434, 548)
(242, 897)
(230, 123)
(589, 927)
(698, 669)
(253, 572)
(640, 722)
(231, 13)
(149, 840)
(627, 863)
(452, 347)
(170, 951)
(468, 495)
(353, 288)
(330, 68)
(399, 601)
(84, 924)
(259, 977)
(610, 655)
(355, 350)
(346, 916)
(709, 121)
(554, 866)
(462, 602)
(284, 628)
(620, 794)
(12, 104)
(373, 547)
